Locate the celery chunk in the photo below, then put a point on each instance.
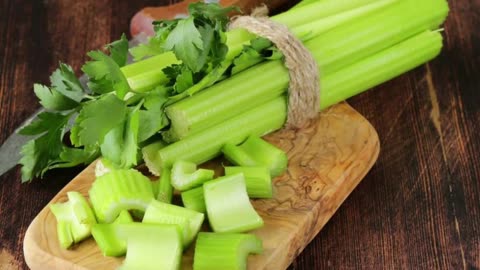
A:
(120, 190)
(74, 219)
(228, 206)
(187, 220)
(219, 251)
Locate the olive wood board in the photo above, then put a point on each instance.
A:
(327, 161)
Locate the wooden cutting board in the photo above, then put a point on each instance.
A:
(326, 163)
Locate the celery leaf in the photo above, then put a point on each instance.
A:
(51, 99)
(96, 119)
(39, 152)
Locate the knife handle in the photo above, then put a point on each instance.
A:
(142, 21)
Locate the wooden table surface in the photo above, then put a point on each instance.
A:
(419, 207)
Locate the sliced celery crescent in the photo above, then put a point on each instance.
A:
(148, 246)
(187, 220)
(220, 251)
(120, 190)
(74, 219)
(228, 206)
(185, 175)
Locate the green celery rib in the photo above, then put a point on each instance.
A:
(220, 251)
(369, 72)
(257, 179)
(333, 51)
(189, 221)
(194, 199)
(228, 207)
(165, 188)
(207, 144)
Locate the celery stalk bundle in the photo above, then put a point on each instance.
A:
(353, 57)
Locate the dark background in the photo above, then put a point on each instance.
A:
(417, 209)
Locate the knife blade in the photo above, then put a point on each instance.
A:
(10, 149)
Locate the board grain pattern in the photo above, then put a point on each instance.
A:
(326, 162)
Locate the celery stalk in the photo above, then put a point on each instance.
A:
(185, 175)
(194, 199)
(336, 49)
(220, 251)
(267, 118)
(120, 190)
(389, 64)
(165, 188)
(257, 180)
(207, 144)
(228, 206)
(189, 221)
(257, 152)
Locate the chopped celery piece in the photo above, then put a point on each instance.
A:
(185, 175)
(257, 179)
(165, 188)
(257, 152)
(108, 240)
(124, 217)
(150, 156)
(219, 251)
(120, 190)
(189, 221)
(151, 246)
(75, 219)
(207, 144)
(193, 199)
(228, 206)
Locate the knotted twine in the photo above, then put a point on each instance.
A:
(304, 87)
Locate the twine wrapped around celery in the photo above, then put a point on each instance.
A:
(304, 87)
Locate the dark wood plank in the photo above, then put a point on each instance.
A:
(417, 209)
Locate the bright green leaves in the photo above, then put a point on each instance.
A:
(65, 92)
(186, 41)
(258, 50)
(96, 119)
(51, 99)
(66, 82)
(38, 154)
(120, 144)
(119, 50)
(105, 75)
(104, 71)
